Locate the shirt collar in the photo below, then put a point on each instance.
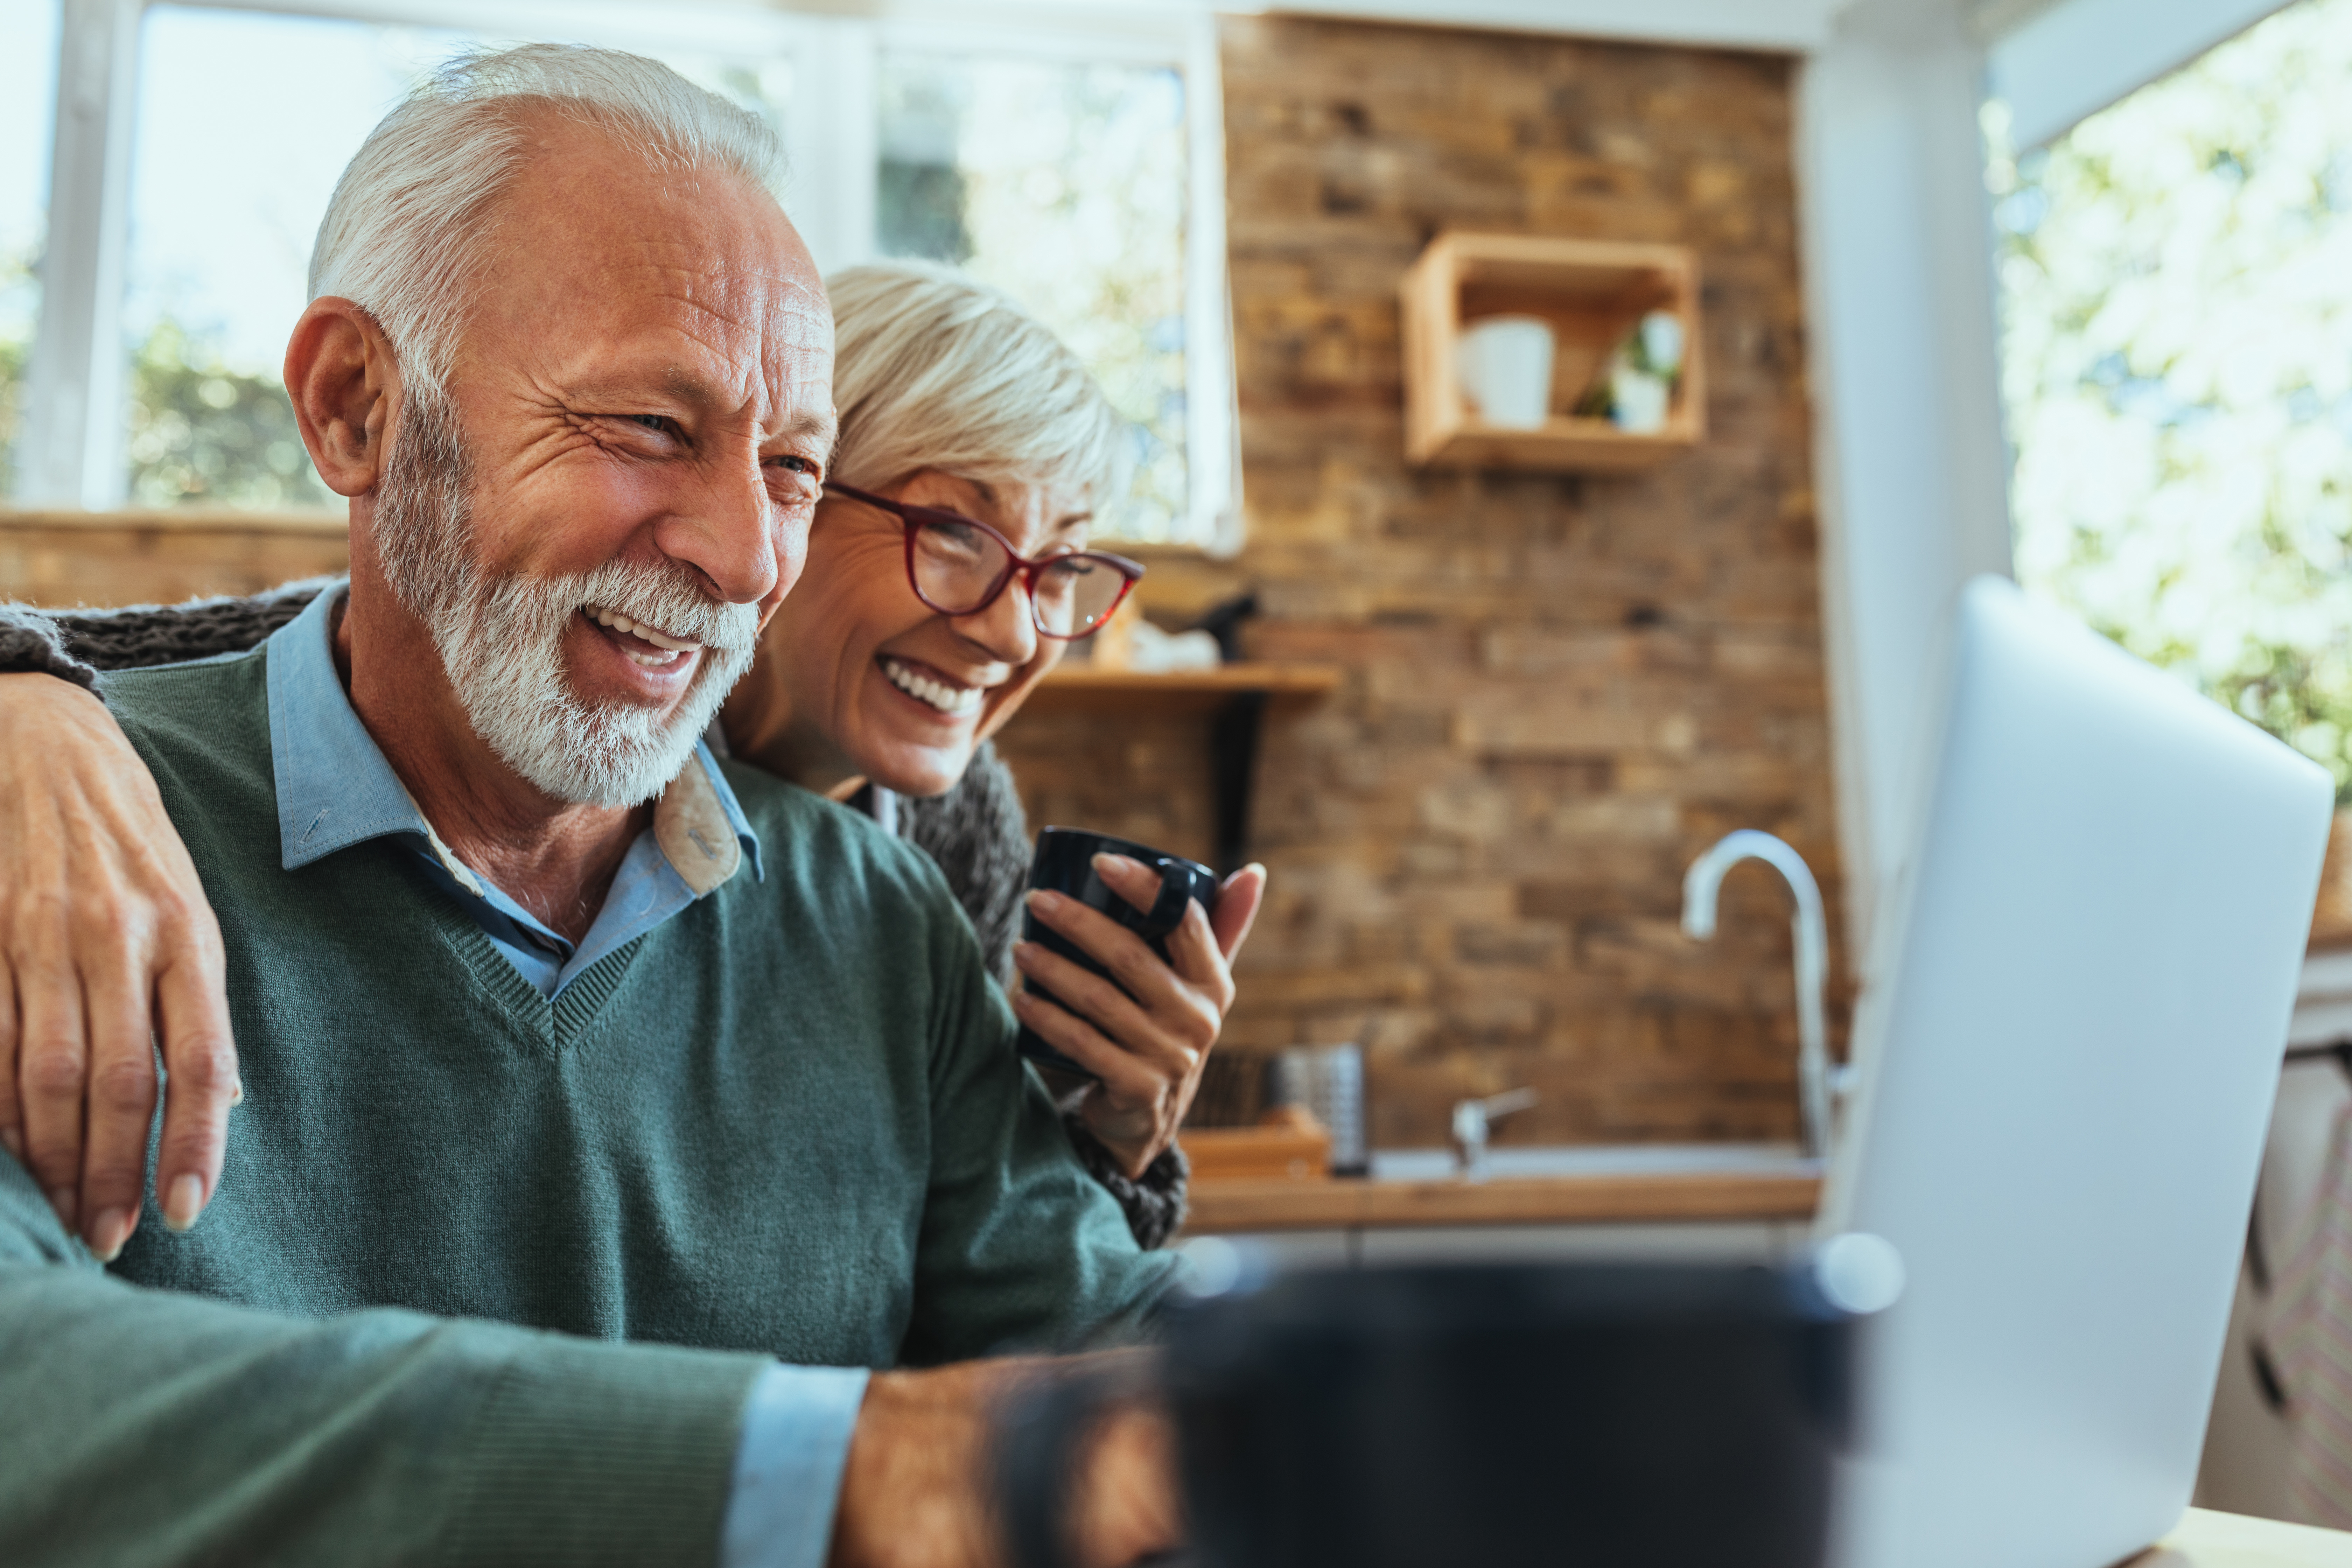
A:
(335, 789)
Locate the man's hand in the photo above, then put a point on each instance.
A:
(107, 945)
(918, 1489)
(1148, 1037)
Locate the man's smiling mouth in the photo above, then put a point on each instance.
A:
(662, 650)
(952, 700)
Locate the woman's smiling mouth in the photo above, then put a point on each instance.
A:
(926, 687)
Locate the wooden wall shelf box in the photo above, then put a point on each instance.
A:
(1593, 292)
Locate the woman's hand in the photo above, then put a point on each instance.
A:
(106, 946)
(1148, 1037)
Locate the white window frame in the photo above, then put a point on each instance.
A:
(74, 441)
(1911, 459)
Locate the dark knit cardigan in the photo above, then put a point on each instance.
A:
(975, 832)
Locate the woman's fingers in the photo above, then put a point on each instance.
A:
(200, 1056)
(1147, 1029)
(1237, 906)
(1108, 943)
(1201, 949)
(1132, 1111)
(1102, 1004)
(12, 1111)
(1131, 879)
(1121, 1074)
(106, 942)
(51, 1071)
(122, 1101)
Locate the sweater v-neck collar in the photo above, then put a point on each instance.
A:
(335, 790)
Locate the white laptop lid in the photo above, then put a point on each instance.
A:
(2066, 1068)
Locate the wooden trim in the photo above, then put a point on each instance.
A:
(1322, 1204)
(1082, 688)
(175, 520)
(1275, 679)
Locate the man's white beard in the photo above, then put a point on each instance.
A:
(501, 638)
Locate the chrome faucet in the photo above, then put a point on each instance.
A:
(1471, 1119)
(1700, 884)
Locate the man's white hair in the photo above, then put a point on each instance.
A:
(934, 370)
(411, 219)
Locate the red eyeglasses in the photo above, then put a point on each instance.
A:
(958, 565)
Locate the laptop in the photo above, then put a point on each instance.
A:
(2065, 1070)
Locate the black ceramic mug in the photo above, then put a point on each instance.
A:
(1064, 864)
(1505, 1414)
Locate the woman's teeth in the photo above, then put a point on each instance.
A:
(945, 698)
(672, 648)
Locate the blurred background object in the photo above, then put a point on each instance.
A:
(1328, 1081)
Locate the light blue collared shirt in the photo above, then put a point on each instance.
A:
(335, 789)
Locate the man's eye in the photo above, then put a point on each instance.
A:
(660, 424)
(801, 474)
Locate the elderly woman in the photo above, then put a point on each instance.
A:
(974, 452)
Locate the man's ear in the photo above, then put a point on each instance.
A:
(344, 381)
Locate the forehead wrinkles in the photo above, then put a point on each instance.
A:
(766, 337)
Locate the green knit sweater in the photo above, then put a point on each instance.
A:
(786, 1122)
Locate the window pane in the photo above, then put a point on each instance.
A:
(224, 204)
(29, 82)
(2176, 366)
(1064, 185)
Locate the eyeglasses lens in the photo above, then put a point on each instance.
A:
(956, 565)
(1076, 593)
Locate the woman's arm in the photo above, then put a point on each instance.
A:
(74, 645)
(106, 940)
(979, 837)
(106, 945)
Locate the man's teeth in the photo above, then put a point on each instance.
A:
(673, 648)
(946, 698)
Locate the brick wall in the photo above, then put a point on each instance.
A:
(1557, 690)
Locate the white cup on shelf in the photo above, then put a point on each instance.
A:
(1505, 362)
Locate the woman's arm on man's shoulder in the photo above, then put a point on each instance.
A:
(75, 645)
(106, 940)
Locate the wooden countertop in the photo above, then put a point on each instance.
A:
(2209, 1540)
(1319, 1204)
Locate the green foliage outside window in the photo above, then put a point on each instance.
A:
(203, 433)
(1063, 184)
(2176, 281)
(16, 351)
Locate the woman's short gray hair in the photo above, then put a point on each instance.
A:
(933, 370)
(406, 231)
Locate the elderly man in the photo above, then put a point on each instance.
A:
(520, 1051)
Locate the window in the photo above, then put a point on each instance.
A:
(1062, 184)
(222, 223)
(1068, 170)
(29, 82)
(2177, 371)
